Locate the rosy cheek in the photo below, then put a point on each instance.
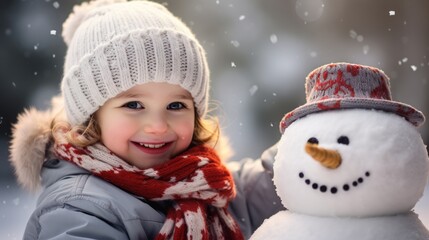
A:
(116, 130)
(186, 131)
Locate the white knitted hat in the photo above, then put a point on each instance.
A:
(115, 45)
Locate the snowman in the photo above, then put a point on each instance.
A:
(350, 162)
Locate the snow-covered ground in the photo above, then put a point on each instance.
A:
(16, 206)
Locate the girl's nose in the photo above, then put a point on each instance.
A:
(155, 124)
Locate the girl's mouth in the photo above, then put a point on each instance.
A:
(153, 148)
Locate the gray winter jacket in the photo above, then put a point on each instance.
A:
(74, 204)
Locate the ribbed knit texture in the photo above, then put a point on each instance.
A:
(114, 46)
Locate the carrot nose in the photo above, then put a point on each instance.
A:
(328, 158)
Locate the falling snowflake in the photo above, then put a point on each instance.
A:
(405, 60)
(242, 17)
(235, 43)
(413, 67)
(353, 34)
(359, 38)
(309, 10)
(233, 64)
(365, 49)
(253, 90)
(392, 13)
(273, 38)
(313, 54)
(56, 5)
(53, 32)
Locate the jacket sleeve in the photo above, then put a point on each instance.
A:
(70, 223)
(256, 198)
(77, 205)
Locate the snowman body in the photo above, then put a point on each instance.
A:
(379, 172)
(293, 226)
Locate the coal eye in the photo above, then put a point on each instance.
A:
(343, 140)
(313, 140)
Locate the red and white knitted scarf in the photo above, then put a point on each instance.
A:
(196, 180)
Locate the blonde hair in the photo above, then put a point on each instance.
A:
(80, 136)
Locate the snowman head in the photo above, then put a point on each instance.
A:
(353, 162)
(350, 150)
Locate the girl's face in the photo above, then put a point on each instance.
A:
(148, 124)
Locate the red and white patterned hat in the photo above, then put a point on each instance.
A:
(345, 86)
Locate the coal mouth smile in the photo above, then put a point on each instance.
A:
(334, 189)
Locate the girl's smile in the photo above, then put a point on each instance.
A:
(153, 148)
(149, 124)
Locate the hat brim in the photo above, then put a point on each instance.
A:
(410, 114)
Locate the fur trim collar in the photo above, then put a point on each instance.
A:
(31, 138)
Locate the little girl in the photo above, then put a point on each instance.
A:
(126, 151)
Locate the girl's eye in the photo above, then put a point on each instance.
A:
(133, 105)
(176, 106)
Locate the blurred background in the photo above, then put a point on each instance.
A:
(259, 53)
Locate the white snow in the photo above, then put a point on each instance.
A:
(365, 49)
(273, 38)
(358, 199)
(288, 226)
(253, 90)
(235, 43)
